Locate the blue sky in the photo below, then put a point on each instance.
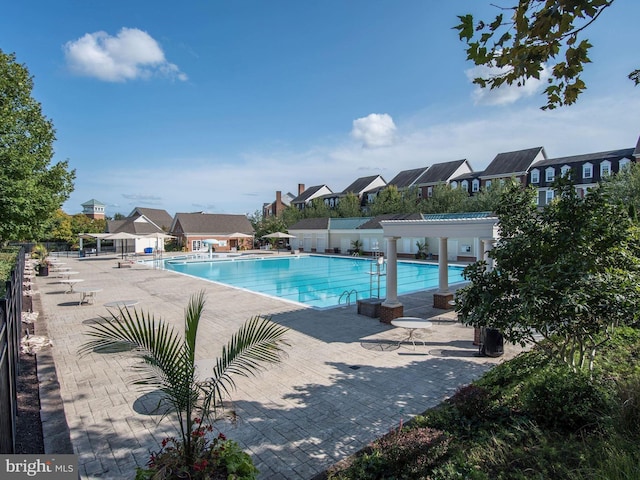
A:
(215, 105)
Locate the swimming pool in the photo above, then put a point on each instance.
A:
(320, 281)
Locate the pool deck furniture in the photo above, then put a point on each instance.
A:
(70, 283)
(119, 305)
(412, 324)
(67, 274)
(87, 294)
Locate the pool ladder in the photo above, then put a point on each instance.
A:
(347, 294)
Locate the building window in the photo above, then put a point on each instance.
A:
(465, 185)
(429, 192)
(475, 186)
(550, 174)
(605, 169)
(587, 170)
(454, 184)
(565, 170)
(535, 176)
(487, 184)
(550, 195)
(624, 163)
(196, 245)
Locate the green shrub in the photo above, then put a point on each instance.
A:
(628, 411)
(8, 258)
(404, 454)
(567, 402)
(471, 401)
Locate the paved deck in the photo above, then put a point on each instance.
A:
(341, 385)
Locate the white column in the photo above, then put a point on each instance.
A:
(392, 273)
(488, 246)
(443, 266)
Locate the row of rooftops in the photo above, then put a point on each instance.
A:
(504, 165)
(144, 221)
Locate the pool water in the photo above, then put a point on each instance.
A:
(319, 281)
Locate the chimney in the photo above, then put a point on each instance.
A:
(278, 198)
(300, 188)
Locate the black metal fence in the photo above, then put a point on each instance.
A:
(10, 327)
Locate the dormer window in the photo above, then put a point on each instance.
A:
(605, 168)
(565, 170)
(587, 170)
(535, 176)
(550, 174)
(624, 163)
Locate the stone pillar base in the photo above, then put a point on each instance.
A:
(477, 336)
(369, 307)
(441, 300)
(388, 313)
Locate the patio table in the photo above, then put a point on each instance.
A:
(412, 324)
(87, 294)
(70, 283)
(120, 305)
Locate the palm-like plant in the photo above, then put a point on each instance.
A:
(169, 360)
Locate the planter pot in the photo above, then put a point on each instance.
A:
(43, 270)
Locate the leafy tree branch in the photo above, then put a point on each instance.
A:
(538, 32)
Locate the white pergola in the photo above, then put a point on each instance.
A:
(482, 227)
(89, 236)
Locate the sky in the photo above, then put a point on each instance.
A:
(215, 105)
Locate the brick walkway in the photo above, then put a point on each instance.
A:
(341, 385)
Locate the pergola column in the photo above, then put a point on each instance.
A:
(391, 308)
(443, 266)
(487, 246)
(442, 297)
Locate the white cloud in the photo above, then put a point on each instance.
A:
(374, 130)
(504, 94)
(129, 55)
(242, 183)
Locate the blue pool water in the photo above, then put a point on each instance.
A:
(315, 280)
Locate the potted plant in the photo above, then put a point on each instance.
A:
(195, 401)
(356, 246)
(423, 250)
(39, 253)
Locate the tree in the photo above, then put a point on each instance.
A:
(349, 206)
(291, 215)
(488, 198)
(568, 273)
(31, 190)
(169, 360)
(535, 32)
(624, 187)
(61, 227)
(388, 200)
(445, 199)
(317, 209)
